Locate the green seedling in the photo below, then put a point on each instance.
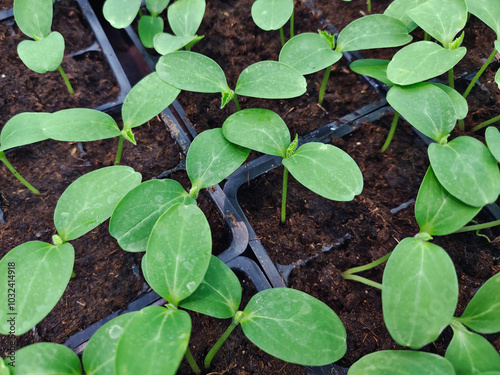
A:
(368, 5)
(322, 168)
(210, 159)
(38, 271)
(45, 53)
(192, 71)
(273, 15)
(309, 52)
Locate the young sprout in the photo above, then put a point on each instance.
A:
(45, 53)
(322, 168)
(273, 15)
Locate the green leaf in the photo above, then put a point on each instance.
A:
(46, 359)
(270, 80)
(41, 272)
(148, 28)
(419, 292)
(148, 98)
(23, 129)
(467, 170)
(100, 353)
(211, 158)
(439, 213)
(271, 14)
(441, 19)
(192, 71)
(219, 294)
(91, 199)
(34, 17)
(492, 140)
(375, 68)
(326, 170)
(427, 107)
(167, 43)
(295, 327)
(185, 16)
(154, 342)
(457, 99)
(155, 7)
(179, 251)
(79, 125)
(471, 353)
(136, 214)
(120, 13)
(487, 11)
(482, 314)
(401, 362)
(372, 31)
(261, 130)
(421, 61)
(44, 55)
(308, 53)
(399, 9)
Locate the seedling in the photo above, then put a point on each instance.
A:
(322, 168)
(192, 71)
(368, 5)
(45, 53)
(310, 53)
(273, 15)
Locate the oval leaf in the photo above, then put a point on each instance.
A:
(136, 214)
(154, 342)
(375, 68)
(438, 212)
(179, 251)
(46, 359)
(211, 158)
(458, 101)
(155, 7)
(399, 9)
(91, 199)
(148, 98)
(100, 353)
(37, 273)
(492, 140)
(295, 327)
(192, 71)
(23, 129)
(421, 61)
(372, 31)
(419, 292)
(80, 125)
(185, 16)
(271, 14)
(401, 362)
(219, 294)
(270, 80)
(148, 28)
(34, 17)
(44, 55)
(482, 314)
(308, 53)
(119, 13)
(427, 107)
(261, 130)
(166, 43)
(467, 170)
(326, 170)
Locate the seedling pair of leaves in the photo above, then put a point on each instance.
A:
(43, 270)
(311, 52)
(45, 53)
(273, 15)
(322, 168)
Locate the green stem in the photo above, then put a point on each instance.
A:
(16, 173)
(292, 24)
(282, 37)
(368, 266)
(218, 344)
(427, 37)
(363, 280)
(392, 130)
(323, 85)
(369, 6)
(283, 196)
(190, 359)
(470, 228)
(486, 123)
(461, 124)
(451, 81)
(66, 80)
(237, 103)
(478, 74)
(119, 150)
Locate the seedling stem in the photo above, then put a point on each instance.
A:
(363, 280)
(283, 196)
(119, 150)
(486, 123)
(323, 85)
(368, 266)
(478, 74)
(392, 130)
(189, 358)
(66, 80)
(16, 173)
(478, 226)
(237, 103)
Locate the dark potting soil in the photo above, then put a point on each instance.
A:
(22, 90)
